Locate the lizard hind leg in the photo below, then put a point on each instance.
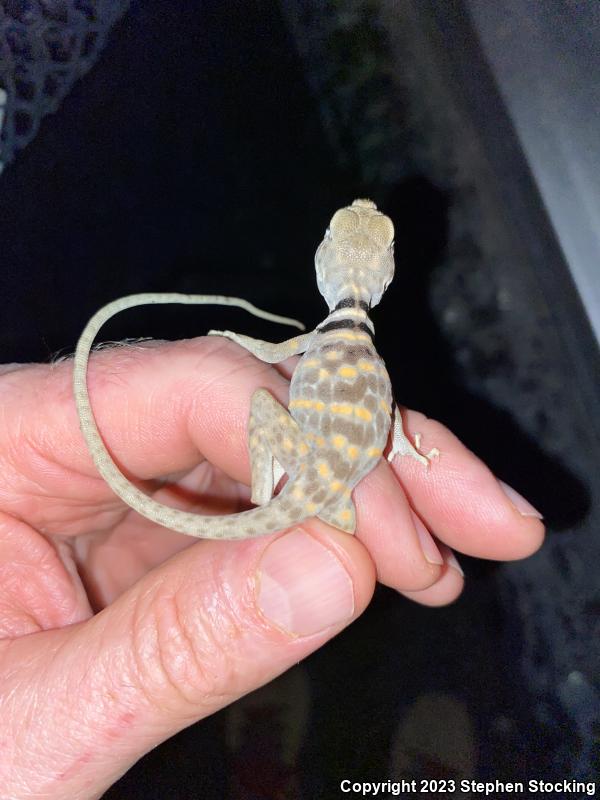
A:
(277, 445)
(342, 515)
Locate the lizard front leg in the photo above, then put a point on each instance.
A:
(269, 352)
(402, 446)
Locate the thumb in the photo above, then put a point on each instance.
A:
(85, 702)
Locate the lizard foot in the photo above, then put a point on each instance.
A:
(433, 453)
(402, 447)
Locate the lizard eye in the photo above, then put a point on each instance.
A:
(344, 223)
(381, 229)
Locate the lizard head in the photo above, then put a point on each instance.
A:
(356, 257)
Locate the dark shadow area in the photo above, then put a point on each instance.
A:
(425, 374)
(159, 172)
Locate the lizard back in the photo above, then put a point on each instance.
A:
(340, 396)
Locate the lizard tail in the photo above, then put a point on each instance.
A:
(280, 513)
(276, 515)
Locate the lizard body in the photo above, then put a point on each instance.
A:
(340, 408)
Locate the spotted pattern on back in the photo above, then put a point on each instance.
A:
(340, 396)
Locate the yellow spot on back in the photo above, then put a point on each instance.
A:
(319, 441)
(363, 413)
(324, 469)
(346, 515)
(311, 508)
(323, 373)
(374, 452)
(298, 493)
(302, 402)
(338, 441)
(293, 344)
(287, 443)
(303, 449)
(366, 366)
(312, 362)
(340, 408)
(335, 486)
(352, 452)
(333, 355)
(347, 372)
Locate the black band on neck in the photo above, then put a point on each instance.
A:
(336, 325)
(347, 302)
(347, 324)
(352, 302)
(364, 327)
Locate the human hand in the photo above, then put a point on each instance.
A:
(116, 633)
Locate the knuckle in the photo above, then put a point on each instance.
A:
(182, 659)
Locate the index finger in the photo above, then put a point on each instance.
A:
(160, 407)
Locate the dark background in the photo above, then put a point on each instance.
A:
(205, 152)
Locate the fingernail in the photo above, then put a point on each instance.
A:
(303, 587)
(523, 506)
(428, 546)
(452, 561)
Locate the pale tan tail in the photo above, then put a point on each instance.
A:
(236, 526)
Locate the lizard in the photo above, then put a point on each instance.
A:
(340, 410)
